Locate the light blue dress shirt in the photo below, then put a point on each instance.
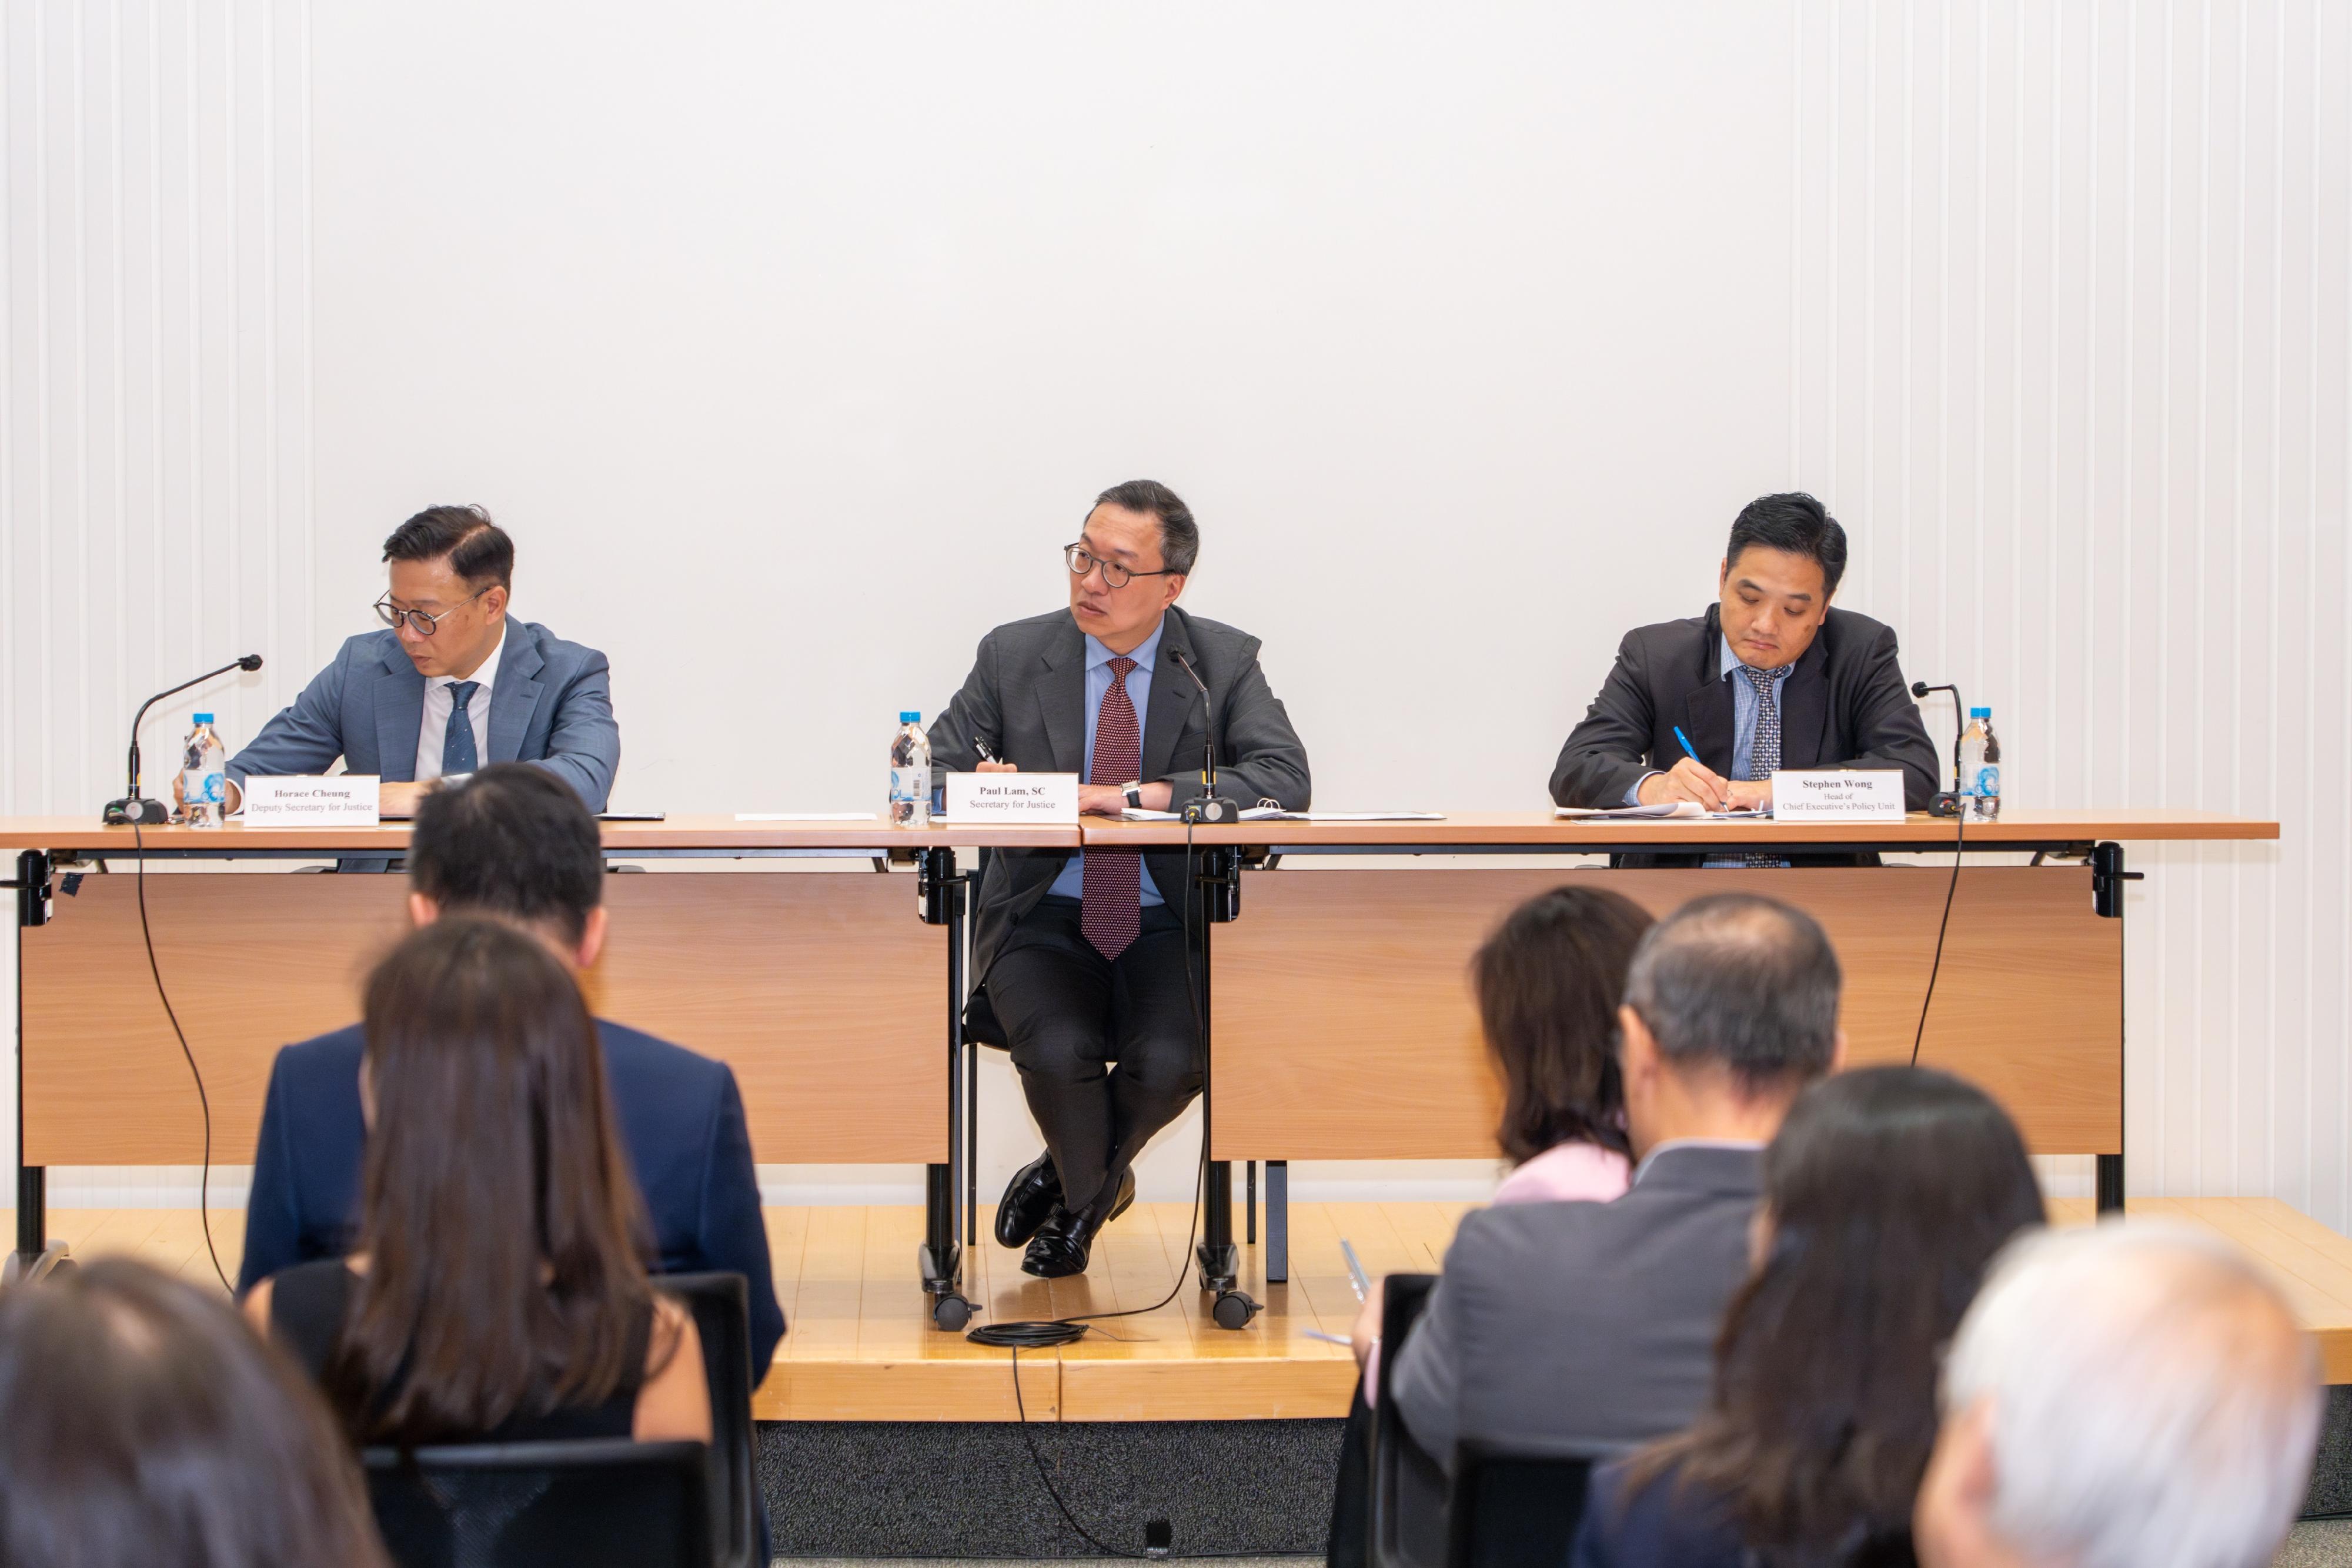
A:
(1071, 884)
(1745, 706)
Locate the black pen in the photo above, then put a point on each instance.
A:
(981, 746)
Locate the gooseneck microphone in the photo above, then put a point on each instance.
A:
(133, 808)
(1210, 807)
(1946, 804)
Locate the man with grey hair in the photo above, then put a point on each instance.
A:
(2127, 1395)
(1585, 1329)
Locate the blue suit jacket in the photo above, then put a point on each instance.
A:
(680, 1115)
(1661, 1525)
(552, 706)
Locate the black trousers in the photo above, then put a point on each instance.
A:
(1070, 1014)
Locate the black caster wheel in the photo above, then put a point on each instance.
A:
(950, 1313)
(1233, 1309)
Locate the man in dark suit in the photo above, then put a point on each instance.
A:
(456, 682)
(515, 843)
(1081, 958)
(1770, 677)
(1586, 1329)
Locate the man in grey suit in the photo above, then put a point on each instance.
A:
(454, 684)
(1585, 1329)
(1080, 958)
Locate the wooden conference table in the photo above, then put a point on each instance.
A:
(1340, 1018)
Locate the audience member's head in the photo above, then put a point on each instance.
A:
(501, 1226)
(1731, 1008)
(2129, 1395)
(1549, 982)
(1886, 1195)
(513, 843)
(148, 1427)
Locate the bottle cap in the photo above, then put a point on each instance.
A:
(910, 717)
(204, 718)
(1980, 713)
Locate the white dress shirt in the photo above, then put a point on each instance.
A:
(435, 728)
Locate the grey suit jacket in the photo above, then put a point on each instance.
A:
(1575, 1329)
(552, 706)
(1026, 697)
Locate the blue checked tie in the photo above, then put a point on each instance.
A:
(457, 740)
(1764, 752)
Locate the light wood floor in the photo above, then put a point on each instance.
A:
(861, 1346)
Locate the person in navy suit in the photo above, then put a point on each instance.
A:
(515, 843)
(456, 682)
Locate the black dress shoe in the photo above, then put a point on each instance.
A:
(1031, 1198)
(1064, 1244)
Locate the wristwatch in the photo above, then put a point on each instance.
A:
(1133, 791)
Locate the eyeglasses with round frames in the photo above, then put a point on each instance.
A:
(1084, 560)
(423, 625)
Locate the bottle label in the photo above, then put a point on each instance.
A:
(1987, 779)
(910, 784)
(198, 789)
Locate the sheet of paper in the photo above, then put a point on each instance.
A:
(803, 816)
(1368, 816)
(1636, 813)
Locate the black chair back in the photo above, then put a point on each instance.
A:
(1511, 1509)
(721, 1305)
(1402, 1298)
(607, 1500)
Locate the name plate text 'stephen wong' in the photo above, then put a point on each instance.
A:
(1837, 795)
(345, 800)
(1043, 799)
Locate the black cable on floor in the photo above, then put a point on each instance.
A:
(1959, 833)
(204, 1102)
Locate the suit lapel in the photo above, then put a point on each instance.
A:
(515, 698)
(398, 699)
(1173, 697)
(1805, 709)
(1708, 717)
(1061, 699)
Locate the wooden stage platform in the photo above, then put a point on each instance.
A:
(861, 1347)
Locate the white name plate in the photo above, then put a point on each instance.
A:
(1837, 795)
(345, 800)
(1050, 800)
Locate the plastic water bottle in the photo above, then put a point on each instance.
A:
(911, 773)
(1980, 767)
(204, 778)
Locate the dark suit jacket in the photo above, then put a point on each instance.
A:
(1026, 697)
(1846, 704)
(679, 1116)
(1579, 1330)
(552, 706)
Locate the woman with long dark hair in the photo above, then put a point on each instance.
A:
(147, 1427)
(1887, 1193)
(499, 1292)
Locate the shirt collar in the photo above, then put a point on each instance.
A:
(1145, 654)
(1670, 1144)
(1730, 662)
(487, 675)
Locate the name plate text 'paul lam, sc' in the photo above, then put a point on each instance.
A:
(344, 800)
(1046, 799)
(1837, 795)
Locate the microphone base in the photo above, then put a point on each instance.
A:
(133, 808)
(1212, 810)
(1944, 803)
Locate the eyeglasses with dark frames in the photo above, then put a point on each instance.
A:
(423, 625)
(1084, 560)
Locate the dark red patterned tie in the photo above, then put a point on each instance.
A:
(1111, 909)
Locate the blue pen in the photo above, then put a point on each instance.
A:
(1688, 749)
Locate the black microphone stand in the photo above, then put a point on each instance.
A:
(1210, 807)
(133, 807)
(1947, 804)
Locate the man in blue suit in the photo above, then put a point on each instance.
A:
(515, 843)
(456, 682)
